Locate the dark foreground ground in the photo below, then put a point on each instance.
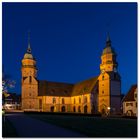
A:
(69, 126)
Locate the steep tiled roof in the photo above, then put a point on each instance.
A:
(47, 88)
(84, 86)
(42, 88)
(130, 95)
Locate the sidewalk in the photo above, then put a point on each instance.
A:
(30, 127)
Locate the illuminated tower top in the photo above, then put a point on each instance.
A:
(108, 58)
(28, 63)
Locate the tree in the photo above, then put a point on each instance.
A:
(6, 84)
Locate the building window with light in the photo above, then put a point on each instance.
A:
(129, 104)
(53, 100)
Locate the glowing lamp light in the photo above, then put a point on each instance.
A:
(108, 108)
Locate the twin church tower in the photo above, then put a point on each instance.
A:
(98, 94)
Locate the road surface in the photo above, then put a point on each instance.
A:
(30, 127)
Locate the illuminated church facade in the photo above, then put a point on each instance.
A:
(98, 94)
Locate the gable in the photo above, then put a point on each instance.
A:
(130, 95)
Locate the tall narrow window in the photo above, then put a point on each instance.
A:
(103, 77)
(40, 104)
(74, 101)
(63, 102)
(54, 100)
(74, 109)
(79, 100)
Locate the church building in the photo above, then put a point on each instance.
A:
(100, 94)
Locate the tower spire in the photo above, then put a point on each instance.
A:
(108, 37)
(29, 47)
(108, 41)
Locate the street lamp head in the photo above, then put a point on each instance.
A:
(108, 108)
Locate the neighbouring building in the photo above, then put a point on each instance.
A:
(12, 102)
(130, 102)
(98, 94)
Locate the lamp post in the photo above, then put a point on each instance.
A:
(108, 112)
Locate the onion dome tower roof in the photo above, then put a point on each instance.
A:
(108, 49)
(28, 54)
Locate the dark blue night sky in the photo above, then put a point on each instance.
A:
(67, 39)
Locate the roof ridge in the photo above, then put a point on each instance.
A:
(86, 80)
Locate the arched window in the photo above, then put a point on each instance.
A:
(63, 101)
(53, 100)
(103, 77)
